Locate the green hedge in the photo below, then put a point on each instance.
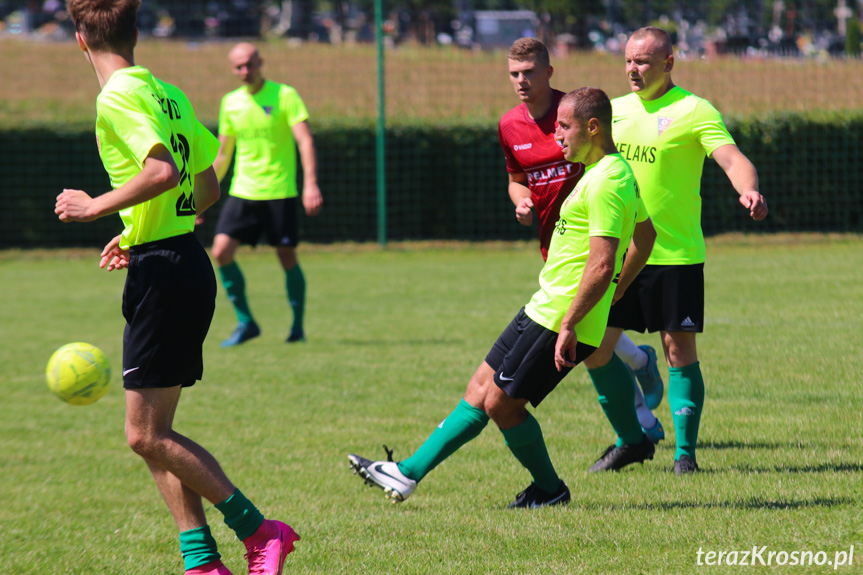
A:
(449, 182)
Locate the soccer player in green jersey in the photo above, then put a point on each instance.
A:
(560, 327)
(265, 123)
(665, 132)
(159, 159)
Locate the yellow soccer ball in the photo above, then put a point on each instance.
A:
(78, 373)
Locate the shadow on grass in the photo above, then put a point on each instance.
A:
(839, 467)
(752, 445)
(753, 503)
(397, 342)
(815, 468)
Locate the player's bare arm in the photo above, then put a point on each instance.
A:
(743, 176)
(519, 193)
(223, 158)
(312, 199)
(598, 273)
(639, 250)
(158, 175)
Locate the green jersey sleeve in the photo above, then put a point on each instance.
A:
(641, 213)
(226, 127)
(295, 108)
(131, 127)
(206, 146)
(614, 206)
(708, 127)
(606, 207)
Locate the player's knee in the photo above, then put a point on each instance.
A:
(503, 410)
(223, 250)
(288, 258)
(478, 386)
(680, 348)
(144, 444)
(222, 256)
(599, 358)
(496, 411)
(506, 414)
(136, 442)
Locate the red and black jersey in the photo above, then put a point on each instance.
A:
(530, 148)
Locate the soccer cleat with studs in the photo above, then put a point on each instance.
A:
(685, 466)
(385, 475)
(656, 433)
(244, 332)
(649, 379)
(268, 547)
(296, 337)
(616, 458)
(533, 497)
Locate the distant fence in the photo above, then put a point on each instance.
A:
(450, 183)
(798, 119)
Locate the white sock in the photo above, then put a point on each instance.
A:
(645, 416)
(631, 354)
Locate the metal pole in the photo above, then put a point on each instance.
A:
(380, 139)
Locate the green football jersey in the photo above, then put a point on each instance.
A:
(665, 141)
(265, 164)
(136, 112)
(606, 203)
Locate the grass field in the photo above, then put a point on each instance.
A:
(340, 82)
(394, 336)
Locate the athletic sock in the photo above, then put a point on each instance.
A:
(235, 287)
(295, 282)
(686, 400)
(645, 416)
(462, 425)
(613, 383)
(240, 515)
(198, 547)
(527, 444)
(631, 354)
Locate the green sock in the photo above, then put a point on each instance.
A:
(198, 547)
(235, 286)
(686, 400)
(462, 425)
(526, 443)
(240, 515)
(295, 282)
(613, 383)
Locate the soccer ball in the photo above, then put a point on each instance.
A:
(78, 373)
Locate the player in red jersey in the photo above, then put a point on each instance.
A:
(540, 178)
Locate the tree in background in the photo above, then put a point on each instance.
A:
(419, 20)
(566, 17)
(852, 37)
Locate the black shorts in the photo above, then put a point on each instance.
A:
(245, 220)
(662, 298)
(168, 304)
(523, 360)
